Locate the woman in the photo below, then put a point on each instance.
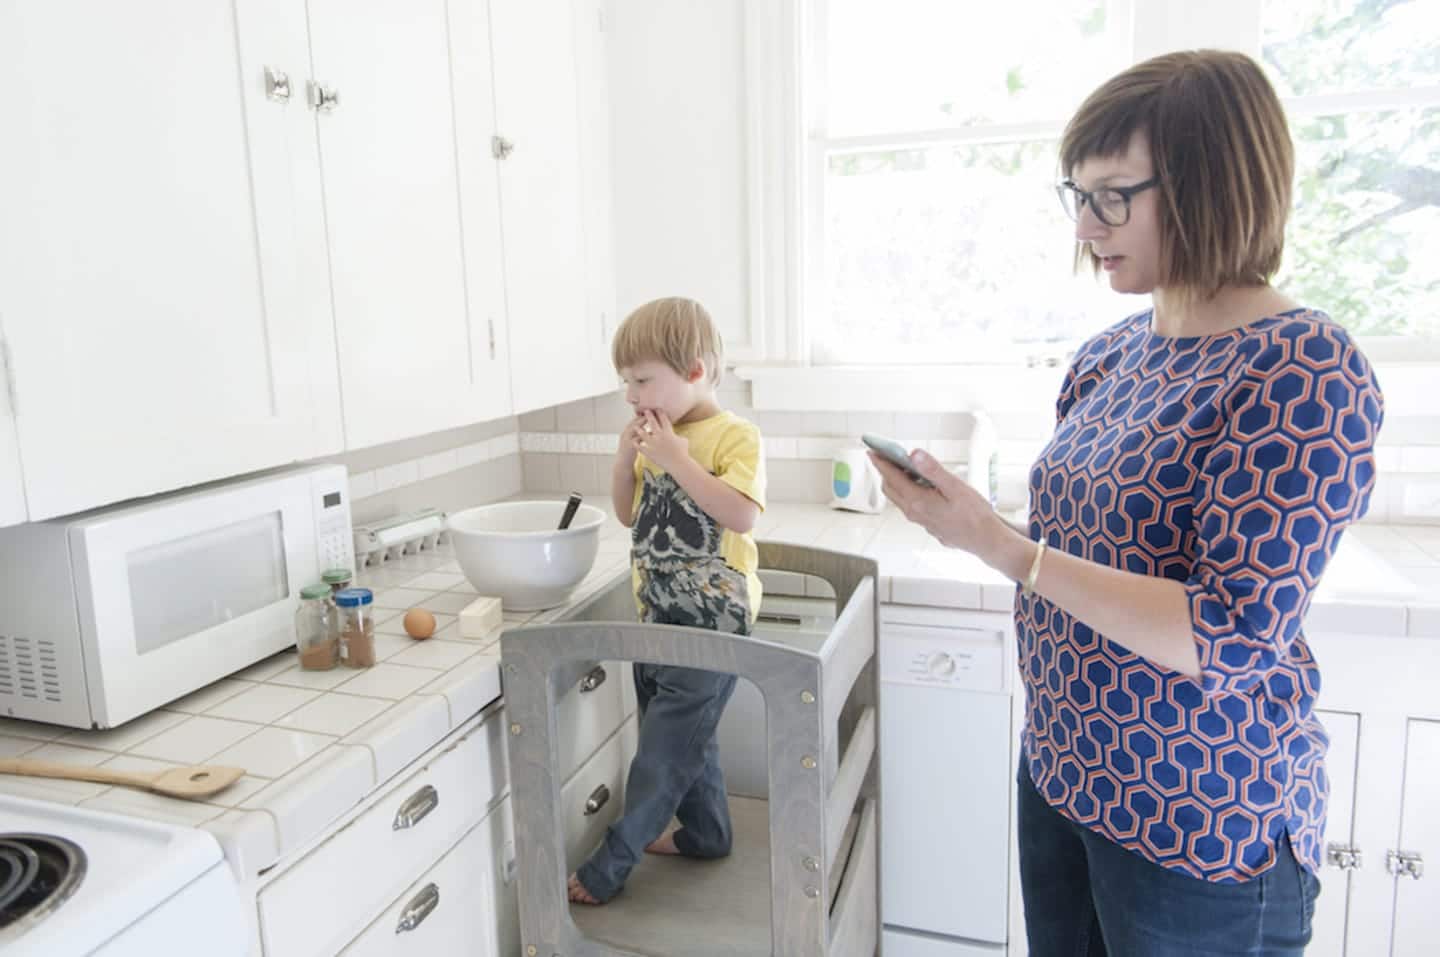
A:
(1207, 455)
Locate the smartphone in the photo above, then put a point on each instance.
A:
(894, 453)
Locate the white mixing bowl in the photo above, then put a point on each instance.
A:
(515, 551)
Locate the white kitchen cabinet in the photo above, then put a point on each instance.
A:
(592, 68)
(1417, 918)
(412, 214)
(465, 905)
(553, 338)
(166, 312)
(1328, 927)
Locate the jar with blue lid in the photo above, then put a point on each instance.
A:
(355, 610)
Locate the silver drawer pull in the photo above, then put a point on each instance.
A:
(416, 806)
(593, 679)
(420, 907)
(598, 799)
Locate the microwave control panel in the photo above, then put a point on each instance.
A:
(334, 539)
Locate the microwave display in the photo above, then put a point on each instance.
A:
(332, 499)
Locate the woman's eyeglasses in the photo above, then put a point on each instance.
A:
(1111, 204)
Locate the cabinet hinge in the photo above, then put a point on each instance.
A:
(600, 19)
(491, 324)
(1346, 857)
(1405, 864)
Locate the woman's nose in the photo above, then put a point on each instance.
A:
(1088, 225)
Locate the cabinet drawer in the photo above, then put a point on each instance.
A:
(465, 905)
(586, 809)
(584, 719)
(338, 887)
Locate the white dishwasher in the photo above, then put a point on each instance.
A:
(947, 772)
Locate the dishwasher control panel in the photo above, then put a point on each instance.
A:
(965, 658)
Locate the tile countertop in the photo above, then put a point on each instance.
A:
(314, 744)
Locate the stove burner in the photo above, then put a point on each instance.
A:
(38, 873)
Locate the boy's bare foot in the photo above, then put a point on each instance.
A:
(664, 844)
(578, 893)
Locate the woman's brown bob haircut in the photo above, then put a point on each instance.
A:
(1222, 152)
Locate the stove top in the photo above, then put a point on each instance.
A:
(38, 873)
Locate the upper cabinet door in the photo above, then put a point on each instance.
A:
(414, 335)
(592, 71)
(12, 485)
(166, 318)
(552, 337)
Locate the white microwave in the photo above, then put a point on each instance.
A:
(109, 614)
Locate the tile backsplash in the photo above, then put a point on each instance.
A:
(570, 447)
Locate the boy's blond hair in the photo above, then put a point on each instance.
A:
(675, 331)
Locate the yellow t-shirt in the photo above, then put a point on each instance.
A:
(685, 567)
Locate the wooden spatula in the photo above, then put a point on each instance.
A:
(195, 781)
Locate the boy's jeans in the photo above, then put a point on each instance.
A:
(675, 773)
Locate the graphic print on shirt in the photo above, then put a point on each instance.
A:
(676, 550)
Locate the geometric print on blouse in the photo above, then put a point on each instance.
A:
(1231, 463)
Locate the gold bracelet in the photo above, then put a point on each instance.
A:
(1034, 569)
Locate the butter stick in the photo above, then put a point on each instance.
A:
(481, 618)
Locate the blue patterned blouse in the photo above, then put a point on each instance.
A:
(1231, 463)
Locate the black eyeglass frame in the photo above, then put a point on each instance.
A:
(1086, 197)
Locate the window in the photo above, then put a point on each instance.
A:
(932, 233)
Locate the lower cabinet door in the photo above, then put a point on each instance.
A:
(594, 797)
(464, 905)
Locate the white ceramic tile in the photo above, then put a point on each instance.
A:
(271, 752)
(14, 747)
(362, 485)
(70, 754)
(396, 625)
(781, 447)
(386, 646)
(542, 442)
(502, 445)
(468, 687)
(133, 802)
(435, 653)
(130, 762)
(210, 695)
(263, 703)
(465, 588)
(50, 789)
(467, 456)
(447, 603)
(239, 792)
(195, 740)
(385, 680)
(435, 581)
(400, 597)
(298, 677)
(309, 799)
(127, 735)
(30, 729)
(270, 667)
(397, 475)
(249, 839)
(334, 713)
(1424, 621)
(440, 463)
(401, 735)
(1356, 618)
(1420, 458)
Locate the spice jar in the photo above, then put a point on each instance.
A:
(315, 636)
(356, 626)
(338, 579)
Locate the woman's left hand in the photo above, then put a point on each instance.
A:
(953, 512)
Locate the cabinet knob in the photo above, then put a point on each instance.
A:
(323, 99)
(598, 799)
(1405, 864)
(416, 807)
(277, 85)
(593, 679)
(419, 908)
(1346, 857)
(500, 147)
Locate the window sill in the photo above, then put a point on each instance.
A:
(955, 388)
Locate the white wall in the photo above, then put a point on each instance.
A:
(679, 156)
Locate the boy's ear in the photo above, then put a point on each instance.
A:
(697, 371)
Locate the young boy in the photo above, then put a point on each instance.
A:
(689, 479)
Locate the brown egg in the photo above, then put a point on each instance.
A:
(419, 623)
